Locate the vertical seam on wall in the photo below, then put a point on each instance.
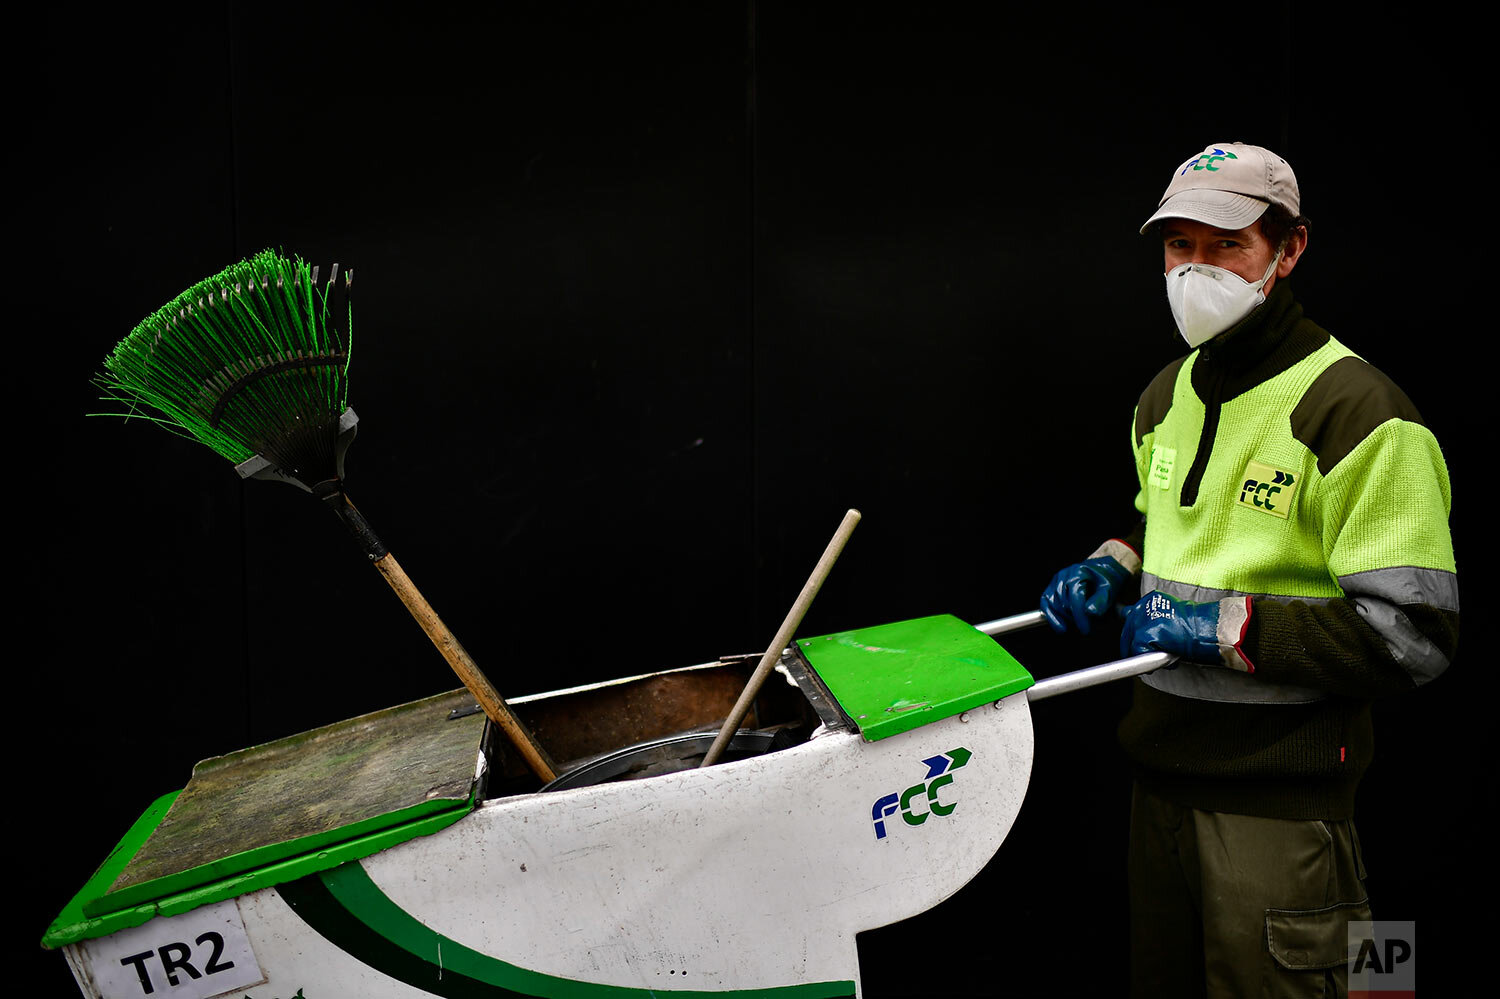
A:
(751, 110)
(247, 673)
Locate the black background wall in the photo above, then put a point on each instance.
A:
(646, 298)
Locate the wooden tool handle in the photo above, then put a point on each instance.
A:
(783, 636)
(468, 671)
(457, 656)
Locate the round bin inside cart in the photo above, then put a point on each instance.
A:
(660, 756)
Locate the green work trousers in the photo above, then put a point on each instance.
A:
(1239, 906)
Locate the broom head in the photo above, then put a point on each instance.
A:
(253, 362)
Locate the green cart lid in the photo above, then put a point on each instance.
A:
(896, 677)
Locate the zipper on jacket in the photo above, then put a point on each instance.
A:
(1211, 407)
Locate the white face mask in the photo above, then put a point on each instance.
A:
(1207, 300)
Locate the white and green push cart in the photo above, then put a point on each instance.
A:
(407, 852)
(566, 844)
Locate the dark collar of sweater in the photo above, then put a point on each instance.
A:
(1272, 338)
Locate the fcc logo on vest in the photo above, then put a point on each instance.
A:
(1383, 959)
(1267, 489)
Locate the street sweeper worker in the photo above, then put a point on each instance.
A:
(1294, 553)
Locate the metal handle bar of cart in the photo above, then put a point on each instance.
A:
(1066, 683)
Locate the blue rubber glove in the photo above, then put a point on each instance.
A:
(1208, 633)
(1081, 594)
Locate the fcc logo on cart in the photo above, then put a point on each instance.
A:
(922, 800)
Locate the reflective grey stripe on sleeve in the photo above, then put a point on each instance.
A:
(1378, 596)
(1215, 683)
(1203, 594)
(1406, 585)
(1121, 553)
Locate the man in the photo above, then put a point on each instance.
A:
(1294, 552)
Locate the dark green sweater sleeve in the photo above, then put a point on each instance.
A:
(1383, 501)
(1333, 647)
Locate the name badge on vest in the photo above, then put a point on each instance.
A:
(1162, 460)
(1267, 489)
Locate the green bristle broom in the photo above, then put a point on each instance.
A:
(251, 362)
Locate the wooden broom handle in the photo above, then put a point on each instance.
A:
(783, 637)
(457, 656)
(467, 669)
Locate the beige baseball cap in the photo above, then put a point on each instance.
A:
(1229, 185)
